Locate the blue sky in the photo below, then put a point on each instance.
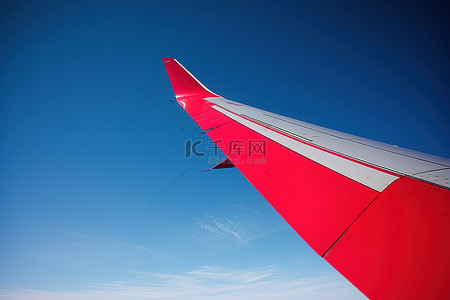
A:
(97, 199)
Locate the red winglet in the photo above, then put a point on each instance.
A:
(183, 82)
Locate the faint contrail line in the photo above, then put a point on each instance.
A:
(162, 193)
(170, 116)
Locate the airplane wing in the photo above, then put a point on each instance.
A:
(379, 214)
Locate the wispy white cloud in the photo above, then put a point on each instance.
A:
(239, 224)
(103, 244)
(226, 226)
(204, 283)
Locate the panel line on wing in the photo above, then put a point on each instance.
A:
(334, 243)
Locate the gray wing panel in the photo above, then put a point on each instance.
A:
(399, 160)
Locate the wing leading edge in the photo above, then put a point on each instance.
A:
(378, 213)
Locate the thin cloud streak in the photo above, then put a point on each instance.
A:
(239, 224)
(207, 282)
(83, 240)
(223, 226)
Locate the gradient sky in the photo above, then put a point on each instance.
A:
(96, 198)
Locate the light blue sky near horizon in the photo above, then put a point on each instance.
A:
(97, 199)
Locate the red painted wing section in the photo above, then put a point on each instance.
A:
(392, 244)
(399, 247)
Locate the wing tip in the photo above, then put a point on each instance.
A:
(183, 82)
